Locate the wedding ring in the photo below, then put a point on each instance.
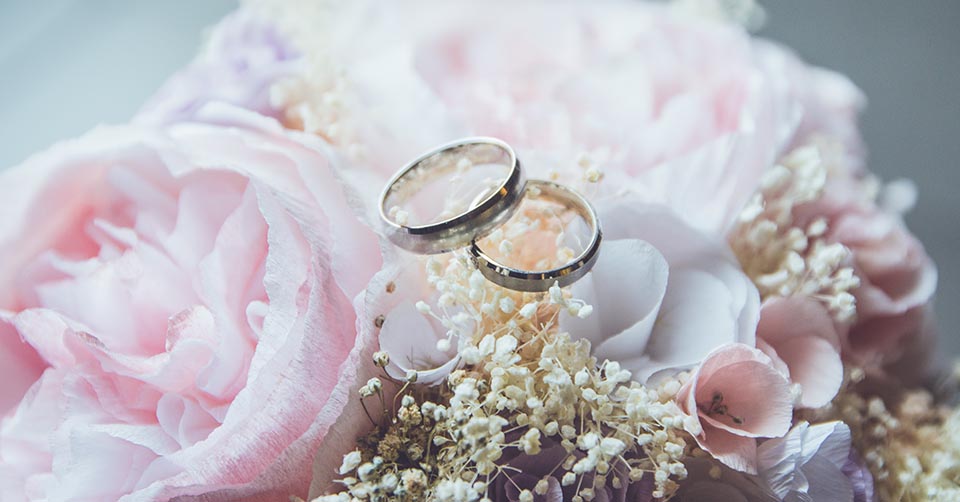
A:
(539, 281)
(485, 213)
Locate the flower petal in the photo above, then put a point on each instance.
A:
(737, 452)
(623, 317)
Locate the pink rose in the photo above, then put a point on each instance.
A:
(179, 304)
(737, 396)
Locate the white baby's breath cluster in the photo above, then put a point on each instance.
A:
(318, 101)
(910, 443)
(523, 387)
(783, 259)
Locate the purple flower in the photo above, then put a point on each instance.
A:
(860, 478)
(811, 463)
(243, 57)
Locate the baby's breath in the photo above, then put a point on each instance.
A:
(910, 443)
(522, 384)
(783, 259)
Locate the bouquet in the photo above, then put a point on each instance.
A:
(203, 304)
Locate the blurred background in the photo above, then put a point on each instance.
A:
(67, 65)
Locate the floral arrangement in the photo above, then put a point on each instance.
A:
(197, 305)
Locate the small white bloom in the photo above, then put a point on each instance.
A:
(531, 442)
(350, 462)
(528, 310)
(381, 359)
(542, 487)
(585, 311)
(556, 294)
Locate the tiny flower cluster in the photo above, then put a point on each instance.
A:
(783, 259)
(523, 390)
(910, 443)
(611, 431)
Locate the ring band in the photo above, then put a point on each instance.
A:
(539, 281)
(485, 214)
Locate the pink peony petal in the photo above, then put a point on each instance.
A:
(406, 335)
(196, 316)
(22, 365)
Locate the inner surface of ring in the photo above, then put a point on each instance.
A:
(552, 229)
(447, 184)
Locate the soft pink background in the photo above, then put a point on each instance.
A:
(902, 54)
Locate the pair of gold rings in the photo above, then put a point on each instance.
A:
(497, 203)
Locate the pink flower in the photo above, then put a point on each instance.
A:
(179, 302)
(665, 295)
(799, 336)
(686, 113)
(737, 396)
(897, 278)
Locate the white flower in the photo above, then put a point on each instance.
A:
(806, 463)
(664, 294)
(350, 462)
(412, 336)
